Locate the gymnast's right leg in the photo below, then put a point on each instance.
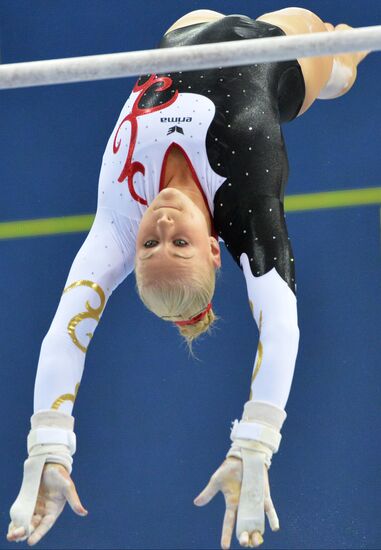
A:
(194, 17)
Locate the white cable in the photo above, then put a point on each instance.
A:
(203, 56)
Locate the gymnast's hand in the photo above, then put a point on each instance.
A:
(228, 480)
(56, 488)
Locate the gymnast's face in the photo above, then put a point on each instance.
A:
(173, 237)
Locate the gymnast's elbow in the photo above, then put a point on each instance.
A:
(281, 332)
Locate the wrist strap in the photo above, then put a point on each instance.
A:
(52, 436)
(257, 432)
(51, 439)
(235, 450)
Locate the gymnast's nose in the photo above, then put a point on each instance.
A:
(165, 225)
(164, 219)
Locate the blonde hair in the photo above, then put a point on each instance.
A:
(178, 299)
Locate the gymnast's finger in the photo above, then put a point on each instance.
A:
(269, 507)
(44, 526)
(208, 493)
(256, 539)
(72, 497)
(244, 539)
(15, 534)
(228, 526)
(271, 514)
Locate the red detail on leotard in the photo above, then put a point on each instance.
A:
(131, 168)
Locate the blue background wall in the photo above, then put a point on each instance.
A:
(153, 424)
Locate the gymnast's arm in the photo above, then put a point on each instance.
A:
(102, 263)
(104, 260)
(268, 265)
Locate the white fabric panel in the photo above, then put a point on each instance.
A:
(194, 114)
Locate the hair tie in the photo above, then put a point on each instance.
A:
(195, 319)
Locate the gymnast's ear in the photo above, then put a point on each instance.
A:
(215, 251)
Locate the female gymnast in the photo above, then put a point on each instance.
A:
(195, 158)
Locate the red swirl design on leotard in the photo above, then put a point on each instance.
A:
(131, 168)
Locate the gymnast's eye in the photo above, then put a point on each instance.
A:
(148, 244)
(151, 243)
(180, 242)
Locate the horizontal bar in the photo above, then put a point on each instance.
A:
(293, 203)
(202, 56)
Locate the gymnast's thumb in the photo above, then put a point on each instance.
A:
(207, 494)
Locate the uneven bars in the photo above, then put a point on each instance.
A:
(185, 58)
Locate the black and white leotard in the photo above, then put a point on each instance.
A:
(227, 124)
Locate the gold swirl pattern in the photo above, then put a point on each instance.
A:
(90, 313)
(260, 353)
(65, 397)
